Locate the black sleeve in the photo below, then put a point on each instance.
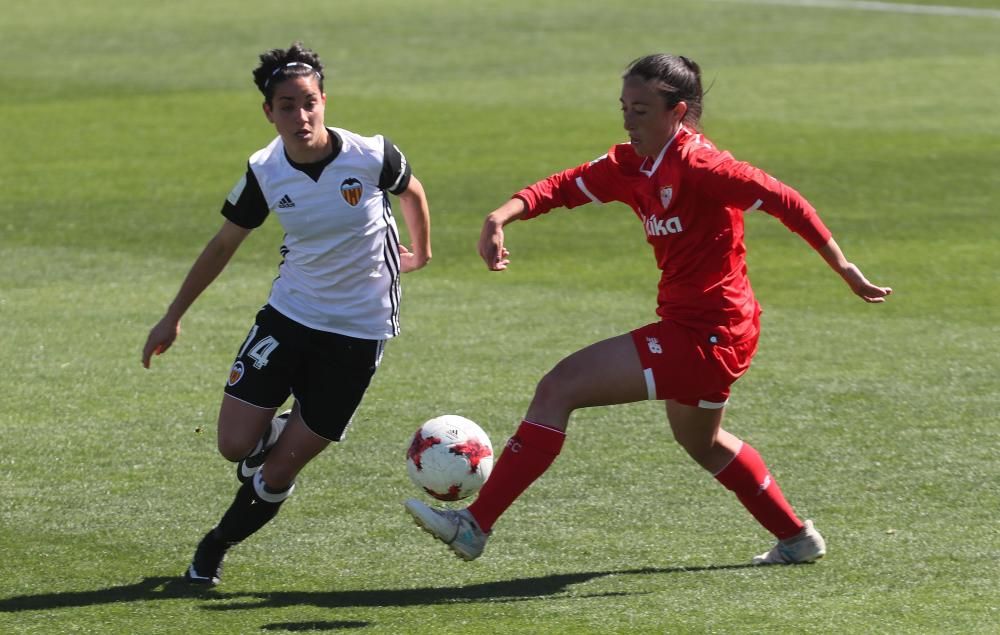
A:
(395, 176)
(245, 205)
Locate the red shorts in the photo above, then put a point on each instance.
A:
(693, 366)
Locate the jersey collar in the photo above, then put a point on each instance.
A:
(315, 170)
(659, 157)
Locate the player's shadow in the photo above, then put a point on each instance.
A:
(168, 588)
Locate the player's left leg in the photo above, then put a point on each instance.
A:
(258, 499)
(251, 463)
(329, 384)
(739, 467)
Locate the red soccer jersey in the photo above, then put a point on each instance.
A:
(691, 201)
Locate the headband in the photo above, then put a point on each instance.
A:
(289, 65)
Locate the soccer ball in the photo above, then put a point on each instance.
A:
(450, 457)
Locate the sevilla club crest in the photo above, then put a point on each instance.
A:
(666, 194)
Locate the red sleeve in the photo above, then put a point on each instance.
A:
(596, 182)
(746, 187)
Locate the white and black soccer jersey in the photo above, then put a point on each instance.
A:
(340, 254)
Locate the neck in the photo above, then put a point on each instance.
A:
(318, 150)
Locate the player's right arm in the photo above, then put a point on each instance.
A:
(210, 263)
(491, 248)
(594, 182)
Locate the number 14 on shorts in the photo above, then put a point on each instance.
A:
(260, 350)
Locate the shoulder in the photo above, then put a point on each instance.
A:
(697, 152)
(354, 143)
(268, 154)
(624, 159)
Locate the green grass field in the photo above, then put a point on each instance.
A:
(124, 126)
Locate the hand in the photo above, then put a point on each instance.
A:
(409, 261)
(861, 287)
(491, 248)
(160, 338)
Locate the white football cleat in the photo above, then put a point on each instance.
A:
(806, 546)
(457, 529)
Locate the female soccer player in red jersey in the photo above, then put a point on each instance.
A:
(691, 199)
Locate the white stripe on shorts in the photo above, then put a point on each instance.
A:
(650, 384)
(712, 405)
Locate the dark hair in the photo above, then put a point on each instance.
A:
(277, 65)
(677, 79)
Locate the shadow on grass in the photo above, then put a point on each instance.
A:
(170, 588)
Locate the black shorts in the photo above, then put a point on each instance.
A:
(327, 373)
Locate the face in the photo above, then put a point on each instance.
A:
(297, 110)
(648, 121)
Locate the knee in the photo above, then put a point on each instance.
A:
(551, 396)
(708, 453)
(694, 450)
(233, 447)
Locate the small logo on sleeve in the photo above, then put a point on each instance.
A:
(286, 202)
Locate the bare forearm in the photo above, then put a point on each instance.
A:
(834, 257)
(416, 214)
(851, 274)
(507, 213)
(207, 267)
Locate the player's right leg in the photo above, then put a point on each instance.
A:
(604, 373)
(241, 428)
(457, 529)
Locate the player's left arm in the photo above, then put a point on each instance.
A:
(417, 216)
(751, 188)
(851, 274)
(397, 178)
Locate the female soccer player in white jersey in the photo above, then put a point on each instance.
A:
(691, 199)
(333, 305)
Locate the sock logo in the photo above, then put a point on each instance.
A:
(514, 444)
(763, 486)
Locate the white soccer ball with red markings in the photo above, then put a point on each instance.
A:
(450, 457)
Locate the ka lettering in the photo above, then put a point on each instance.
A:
(658, 227)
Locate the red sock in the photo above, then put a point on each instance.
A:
(747, 476)
(528, 454)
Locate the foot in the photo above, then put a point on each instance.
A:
(249, 465)
(457, 529)
(806, 546)
(206, 566)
